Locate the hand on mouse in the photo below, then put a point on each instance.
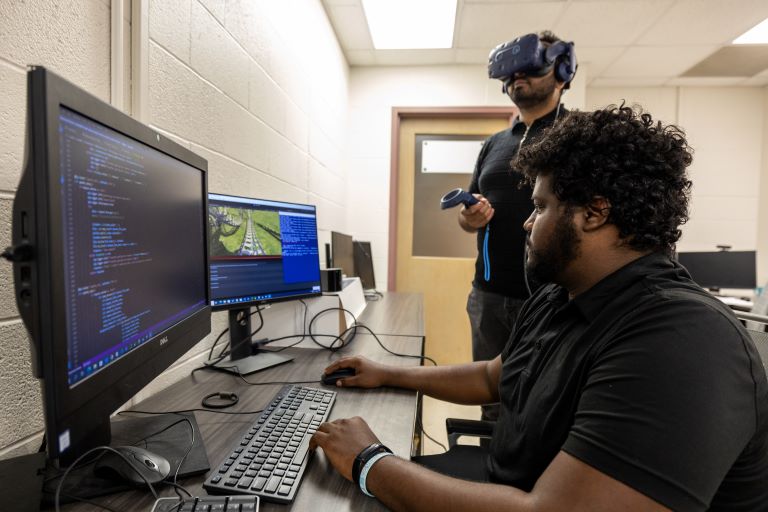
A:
(367, 373)
(341, 441)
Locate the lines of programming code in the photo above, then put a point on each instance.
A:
(126, 209)
(299, 234)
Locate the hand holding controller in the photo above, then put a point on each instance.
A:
(456, 197)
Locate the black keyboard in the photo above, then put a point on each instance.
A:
(270, 459)
(208, 504)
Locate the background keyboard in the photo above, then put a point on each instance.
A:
(208, 504)
(270, 459)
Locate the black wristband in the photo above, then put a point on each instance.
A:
(363, 457)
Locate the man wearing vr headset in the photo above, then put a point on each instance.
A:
(534, 69)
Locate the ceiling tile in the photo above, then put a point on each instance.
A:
(487, 25)
(598, 58)
(707, 81)
(351, 27)
(644, 81)
(608, 22)
(639, 61)
(734, 60)
(701, 22)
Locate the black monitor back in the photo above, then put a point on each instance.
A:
(342, 253)
(721, 269)
(364, 264)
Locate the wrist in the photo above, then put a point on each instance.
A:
(365, 455)
(366, 471)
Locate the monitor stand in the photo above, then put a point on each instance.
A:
(246, 358)
(167, 435)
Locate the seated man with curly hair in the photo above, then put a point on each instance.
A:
(625, 386)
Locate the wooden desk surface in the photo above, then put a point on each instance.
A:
(391, 413)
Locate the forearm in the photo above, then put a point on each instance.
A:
(403, 485)
(471, 384)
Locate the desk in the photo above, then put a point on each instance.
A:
(391, 413)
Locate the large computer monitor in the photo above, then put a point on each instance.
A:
(721, 269)
(364, 264)
(343, 253)
(261, 251)
(110, 258)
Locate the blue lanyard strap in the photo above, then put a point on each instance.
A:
(486, 258)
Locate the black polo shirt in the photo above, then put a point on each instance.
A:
(645, 377)
(494, 178)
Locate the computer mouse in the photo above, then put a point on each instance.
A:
(152, 466)
(331, 378)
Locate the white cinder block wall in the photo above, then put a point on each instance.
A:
(258, 88)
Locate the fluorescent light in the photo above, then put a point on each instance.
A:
(756, 35)
(402, 24)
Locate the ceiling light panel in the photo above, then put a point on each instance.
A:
(410, 24)
(756, 35)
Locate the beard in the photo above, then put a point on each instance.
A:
(546, 264)
(534, 95)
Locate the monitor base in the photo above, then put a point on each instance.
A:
(172, 444)
(252, 364)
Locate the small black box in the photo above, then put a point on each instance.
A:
(330, 279)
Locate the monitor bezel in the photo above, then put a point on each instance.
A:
(83, 410)
(259, 302)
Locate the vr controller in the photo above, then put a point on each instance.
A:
(527, 54)
(456, 197)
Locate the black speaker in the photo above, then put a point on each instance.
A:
(330, 279)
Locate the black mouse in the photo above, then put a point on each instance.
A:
(152, 466)
(331, 378)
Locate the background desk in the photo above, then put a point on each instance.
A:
(391, 413)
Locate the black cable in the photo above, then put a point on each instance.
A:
(93, 450)
(423, 431)
(225, 352)
(189, 410)
(423, 358)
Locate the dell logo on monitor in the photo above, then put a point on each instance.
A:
(163, 340)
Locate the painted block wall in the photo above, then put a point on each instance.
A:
(259, 89)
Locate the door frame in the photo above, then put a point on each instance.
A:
(398, 115)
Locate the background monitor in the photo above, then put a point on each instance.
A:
(260, 251)
(364, 264)
(110, 259)
(721, 269)
(342, 253)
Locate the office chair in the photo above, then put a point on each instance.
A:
(760, 307)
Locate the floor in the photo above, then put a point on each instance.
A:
(434, 413)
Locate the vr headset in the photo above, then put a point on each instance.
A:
(527, 54)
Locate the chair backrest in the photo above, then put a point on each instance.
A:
(760, 307)
(761, 342)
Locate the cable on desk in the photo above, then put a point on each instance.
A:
(420, 424)
(215, 411)
(57, 496)
(216, 342)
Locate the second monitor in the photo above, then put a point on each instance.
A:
(261, 251)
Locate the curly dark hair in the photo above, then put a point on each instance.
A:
(621, 154)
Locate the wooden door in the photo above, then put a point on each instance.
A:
(444, 281)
